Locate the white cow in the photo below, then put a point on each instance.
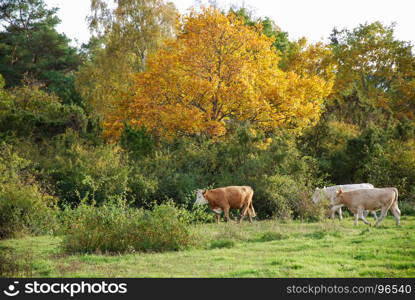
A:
(360, 200)
(329, 193)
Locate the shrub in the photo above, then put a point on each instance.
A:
(138, 142)
(407, 208)
(141, 188)
(28, 110)
(275, 192)
(78, 170)
(117, 228)
(24, 207)
(305, 209)
(393, 165)
(270, 163)
(195, 214)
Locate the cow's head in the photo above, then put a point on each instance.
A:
(338, 199)
(316, 195)
(200, 199)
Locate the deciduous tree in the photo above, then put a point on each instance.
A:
(375, 75)
(219, 70)
(125, 32)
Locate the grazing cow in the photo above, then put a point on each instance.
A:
(227, 198)
(329, 193)
(370, 199)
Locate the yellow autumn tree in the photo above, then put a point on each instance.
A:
(215, 71)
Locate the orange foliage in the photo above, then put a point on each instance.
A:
(217, 70)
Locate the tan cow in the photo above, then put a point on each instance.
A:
(358, 201)
(227, 198)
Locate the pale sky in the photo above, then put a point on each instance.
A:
(313, 19)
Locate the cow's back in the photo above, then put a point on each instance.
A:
(234, 196)
(370, 199)
(332, 190)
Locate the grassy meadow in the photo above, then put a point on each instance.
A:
(262, 249)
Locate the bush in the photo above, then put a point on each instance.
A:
(77, 170)
(24, 207)
(29, 111)
(270, 163)
(195, 214)
(393, 165)
(138, 142)
(407, 208)
(117, 228)
(306, 210)
(141, 188)
(276, 193)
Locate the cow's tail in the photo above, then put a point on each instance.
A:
(395, 201)
(252, 210)
(251, 206)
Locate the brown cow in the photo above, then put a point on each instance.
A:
(370, 199)
(227, 198)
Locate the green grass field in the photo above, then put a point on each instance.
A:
(262, 249)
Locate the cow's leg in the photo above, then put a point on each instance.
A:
(217, 217)
(250, 216)
(382, 216)
(397, 214)
(375, 216)
(356, 219)
(361, 216)
(244, 211)
(339, 211)
(226, 213)
(334, 209)
(365, 213)
(250, 213)
(241, 218)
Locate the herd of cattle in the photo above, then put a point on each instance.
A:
(360, 199)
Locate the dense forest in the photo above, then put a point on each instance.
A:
(158, 105)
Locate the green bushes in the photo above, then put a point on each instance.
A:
(393, 165)
(28, 111)
(24, 207)
(116, 228)
(77, 170)
(383, 155)
(271, 164)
